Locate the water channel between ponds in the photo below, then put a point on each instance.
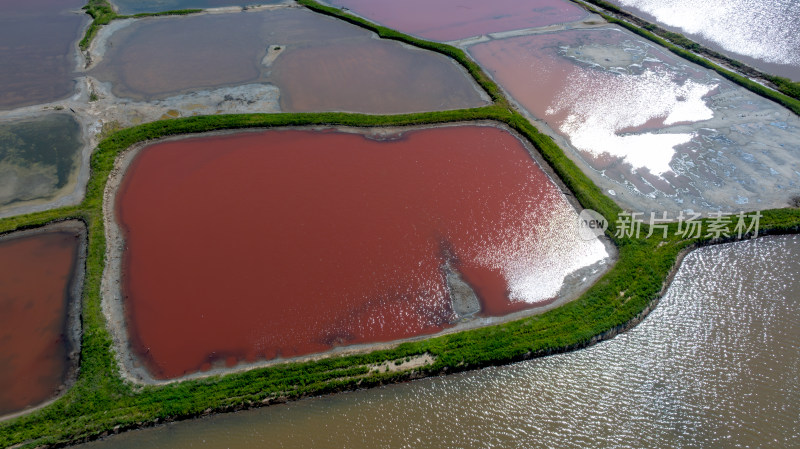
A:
(41, 277)
(317, 62)
(714, 365)
(348, 239)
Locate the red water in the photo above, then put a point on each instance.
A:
(35, 274)
(281, 243)
(447, 20)
(36, 50)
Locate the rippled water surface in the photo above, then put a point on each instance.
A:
(654, 131)
(716, 365)
(764, 33)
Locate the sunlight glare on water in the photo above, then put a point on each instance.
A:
(714, 365)
(601, 105)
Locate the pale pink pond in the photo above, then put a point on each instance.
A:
(319, 63)
(656, 132)
(448, 20)
(37, 50)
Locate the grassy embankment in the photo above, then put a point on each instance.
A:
(102, 14)
(101, 402)
(789, 95)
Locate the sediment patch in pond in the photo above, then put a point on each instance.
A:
(41, 279)
(142, 6)
(299, 51)
(39, 53)
(656, 132)
(329, 239)
(39, 158)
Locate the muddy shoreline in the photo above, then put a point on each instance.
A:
(73, 326)
(111, 286)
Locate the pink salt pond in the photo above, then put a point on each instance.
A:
(280, 243)
(448, 20)
(317, 62)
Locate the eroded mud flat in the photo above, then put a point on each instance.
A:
(720, 348)
(348, 68)
(449, 20)
(655, 132)
(39, 158)
(764, 34)
(38, 52)
(321, 239)
(141, 6)
(40, 282)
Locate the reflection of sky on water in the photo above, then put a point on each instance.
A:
(658, 131)
(602, 105)
(767, 30)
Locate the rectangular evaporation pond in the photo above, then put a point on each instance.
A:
(37, 55)
(645, 122)
(271, 244)
(38, 158)
(448, 20)
(765, 34)
(318, 63)
(142, 6)
(39, 284)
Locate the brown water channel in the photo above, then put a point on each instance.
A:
(38, 51)
(41, 274)
(654, 131)
(447, 20)
(254, 246)
(318, 63)
(715, 365)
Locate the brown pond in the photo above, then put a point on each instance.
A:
(346, 67)
(37, 277)
(271, 244)
(448, 20)
(37, 54)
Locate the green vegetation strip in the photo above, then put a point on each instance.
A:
(101, 402)
(789, 95)
(102, 14)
